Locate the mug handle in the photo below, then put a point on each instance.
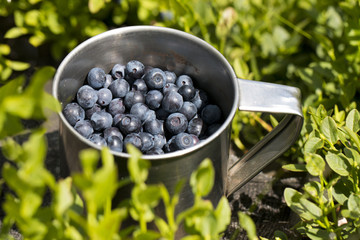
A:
(273, 98)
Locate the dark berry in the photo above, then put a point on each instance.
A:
(112, 131)
(115, 143)
(212, 129)
(84, 127)
(116, 106)
(211, 114)
(129, 124)
(161, 114)
(154, 151)
(155, 79)
(195, 126)
(132, 98)
(147, 140)
(108, 81)
(73, 113)
(159, 141)
(176, 123)
(172, 102)
(153, 99)
(104, 97)
(101, 120)
(117, 118)
(97, 139)
(140, 85)
(200, 99)
(118, 71)
(188, 109)
(170, 87)
(89, 112)
(140, 110)
(187, 92)
(154, 127)
(134, 69)
(149, 116)
(183, 141)
(96, 78)
(184, 80)
(119, 88)
(134, 139)
(86, 96)
(170, 77)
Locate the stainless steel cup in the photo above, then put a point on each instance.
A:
(184, 54)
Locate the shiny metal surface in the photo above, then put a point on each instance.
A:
(184, 54)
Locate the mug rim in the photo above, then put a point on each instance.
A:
(132, 29)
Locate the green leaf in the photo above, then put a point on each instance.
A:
(18, 66)
(353, 120)
(315, 164)
(149, 195)
(222, 214)
(295, 167)
(138, 168)
(354, 205)
(16, 32)
(353, 154)
(338, 163)
(248, 224)
(353, 136)
(96, 5)
(32, 18)
(63, 196)
(4, 49)
(202, 180)
(342, 189)
(313, 144)
(37, 39)
(303, 207)
(318, 234)
(329, 129)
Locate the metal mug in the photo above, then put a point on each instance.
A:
(183, 53)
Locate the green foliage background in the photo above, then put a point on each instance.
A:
(310, 44)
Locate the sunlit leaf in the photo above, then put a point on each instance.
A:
(202, 180)
(338, 163)
(248, 224)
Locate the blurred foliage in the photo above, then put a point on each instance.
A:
(310, 44)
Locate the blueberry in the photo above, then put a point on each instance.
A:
(96, 78)
(119, 88)
(153, 99)
(169, 87)
(211, 114)
(147, 140)
(154, 127)
(159, 141)
(134, 69)
(84, 127)
(134, 139)
(170, 77)
(200, 99)
(112, 131)
(73, 113)
(129, 124)
(101, 120)
(140, 110)
(183, 141)
(154, 151)
(195, 126)
(176, 123)
(188, 109)
(172, 102)
(116, 106)
(169, 145)
(115, 143)
(195, 138)
(187, 92)
(86, 96)
(89, 112)
(132, 98)
(118, 71)
(212, 129)
(155, 79)
(184, 80)
(161, 114)
(140, 85)
(104, 97)
(108, 81)
(150, 115)
(97, 139)
(117, 118)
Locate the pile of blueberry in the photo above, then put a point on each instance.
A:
(155, 110)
